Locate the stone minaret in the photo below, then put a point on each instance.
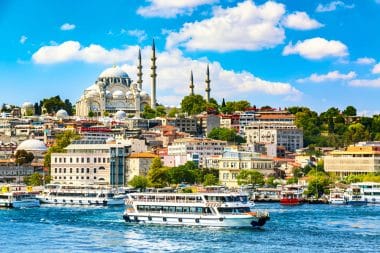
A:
(153, 75)
(139, 72)
(191, 83)
(208, 84)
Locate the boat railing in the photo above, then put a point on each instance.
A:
(178, 213)
(168, 200)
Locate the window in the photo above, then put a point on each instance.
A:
(88, 159)
(77, 170)
(55, 170)
(82, 170)
(71, 170)
(94, 170)
(88, 170)
(64, 170)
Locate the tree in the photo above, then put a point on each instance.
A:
(148, 112)
(23, 157)
(68, 107)
(193, 104)
(37, 109)
(349, 111)
(160, 111)
(157, 175)
(210, 179)
(225, 134)
(34, 180)
(91, 114)
(250, 177)
(53, 104)
(173, 112)
(139, 182)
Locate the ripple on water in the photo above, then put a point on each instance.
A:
(306, 228)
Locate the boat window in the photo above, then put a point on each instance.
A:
(185, 209)
(178, 209)
(165, 209)
(172, 209)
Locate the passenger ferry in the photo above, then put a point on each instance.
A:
(353, 196)
(80, 195)
(194, 209)
(18, 199)
(292, 195)
(370, 191)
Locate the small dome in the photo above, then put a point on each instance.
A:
(114, 71)
(27, 105)
(108, 94)
(62, 114)
(143, 94)
(120, 115)
(129, 94)
(118, 94)
(32, 145)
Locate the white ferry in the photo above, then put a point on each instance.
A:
(18, 199)
(353, 196)
(80, 195)
(370, 191)
(337, 196)
(194, 209)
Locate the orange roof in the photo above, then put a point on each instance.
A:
(143, 155)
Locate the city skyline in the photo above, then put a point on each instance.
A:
(318, 54)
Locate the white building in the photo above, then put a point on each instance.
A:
(281, 134)
(138, 164)
(196, 149)
(91, 162)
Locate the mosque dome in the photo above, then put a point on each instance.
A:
(118, 94)
(27, 105)
(62, 114)
(120, 115)
(143, 94)
(108, 94)
(32, 145)
(114, 71)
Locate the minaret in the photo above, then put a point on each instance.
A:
(208, 84)
(153, 75)
(191, 83)
(139, 72)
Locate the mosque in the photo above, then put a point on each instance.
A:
(114, 92)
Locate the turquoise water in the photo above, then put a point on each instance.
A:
(306, 228)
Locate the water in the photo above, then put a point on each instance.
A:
(306, 228)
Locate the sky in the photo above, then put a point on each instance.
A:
(313, 53)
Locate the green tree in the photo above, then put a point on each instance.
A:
(23, 157)
(157, 174)
(91, 114)
(148, 112)
(173, 112)
(193, 104)
(139, 182)
(349, 111)
(210, 179)
(250, 177)
(53, 104)
(160, 111)
(35, 179)
(225, 134)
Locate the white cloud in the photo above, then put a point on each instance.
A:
(332, 6)
(67, 27)
(173, 72)
(376, 69)
(331, 76)
(139, 34)
(73, 51)
(301, 21)
(316, 48)
(23, 39)
(243, 27)
(365, 60)
(171, 8)
(174, 75)
(372, 83)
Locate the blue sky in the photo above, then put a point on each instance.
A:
(311, 53)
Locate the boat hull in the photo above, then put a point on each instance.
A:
(236, 221)
(290, 202)
(81, 201)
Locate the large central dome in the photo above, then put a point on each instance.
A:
(114, 71)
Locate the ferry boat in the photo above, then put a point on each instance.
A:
(80, 195)
(194, 209)
(353, 196)
(18, 199)
(336, 197)
(370, 191)
(292, 195)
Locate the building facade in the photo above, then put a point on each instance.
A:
(354, 160)
(138, 164)
(280, 134)
(91, 162)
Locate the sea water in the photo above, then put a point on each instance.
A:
(304, 228)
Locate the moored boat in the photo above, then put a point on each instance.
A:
(292, 195)
(194, 209)
(18, 199)
(353, 196)
(80, 195)
(336, 197)
(370, 191)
